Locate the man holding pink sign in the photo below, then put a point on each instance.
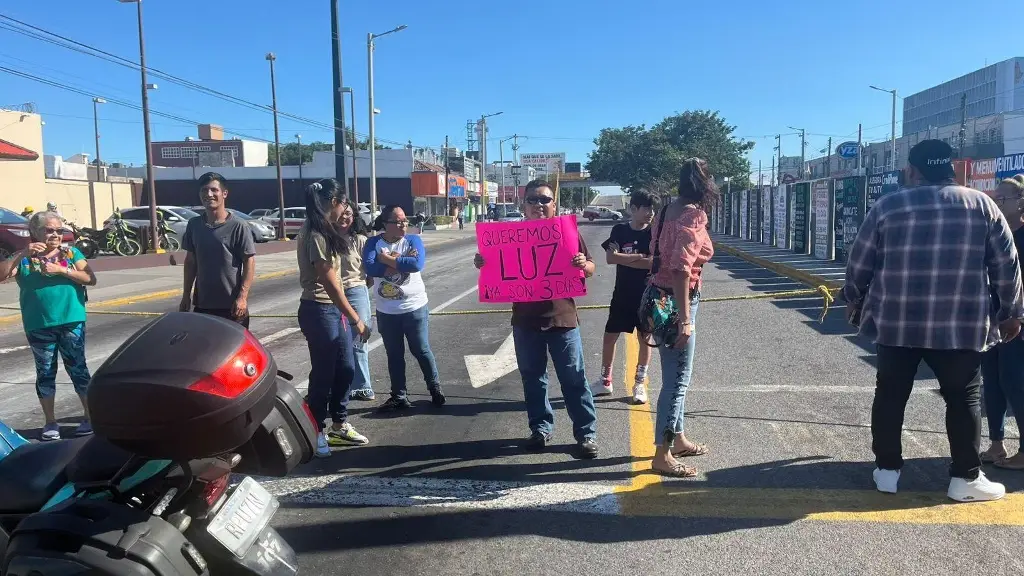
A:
(540, 265)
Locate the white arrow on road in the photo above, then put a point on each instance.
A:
(486, 368)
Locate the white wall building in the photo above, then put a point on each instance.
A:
(991, 90)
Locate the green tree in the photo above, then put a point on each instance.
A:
(638, 157)
(290, 151)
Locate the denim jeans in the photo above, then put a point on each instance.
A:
(566, 350)
(676, 372)
(395, 330)
(69, 341)
(1002, 372)
(330, 360)
(959, 376)
(359, 298)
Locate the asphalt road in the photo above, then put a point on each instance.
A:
(782, 401)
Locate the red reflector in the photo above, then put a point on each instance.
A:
(309, 414)
(214, 489)
(240, 372)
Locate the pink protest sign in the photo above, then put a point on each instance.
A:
(529, 261)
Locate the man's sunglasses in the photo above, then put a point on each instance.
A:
(539, 200)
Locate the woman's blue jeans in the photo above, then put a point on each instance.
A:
(676, 371)
(359, 298)
(330, 360)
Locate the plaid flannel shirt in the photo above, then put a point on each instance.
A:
(934, 267)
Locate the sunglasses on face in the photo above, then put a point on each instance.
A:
(52, 231)
(399, 222)
(539, 200)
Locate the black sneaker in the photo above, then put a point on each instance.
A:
(394, 404)
(588, 448)
(537, 441)
(437, 396)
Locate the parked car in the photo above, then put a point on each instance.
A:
(261, 231)
(364, 213)
(14, 233)
(294, 218)
(175, 216)
(601, 213)
(512, 217)
(261, 212)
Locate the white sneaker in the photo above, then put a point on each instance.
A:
(886, 480)
(323, 449)
(981, 489)
(639, 393)
(602, 388)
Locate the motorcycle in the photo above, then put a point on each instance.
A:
(183, 404)
(119, 238)
(84, 240)
(167, 235)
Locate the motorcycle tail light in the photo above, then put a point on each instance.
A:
(215, 489)
(242, 370)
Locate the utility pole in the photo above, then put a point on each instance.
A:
(483, 152)
(860, 132)
(298, 138)
(963, 124)
(803, 152)
(893, 132)
(150, 173)
(99, 163)
(515, 164)
(771, 183)
(447, 186)
(828, 158)
(778, 149)
(277, 149)
(355, 145)
(340, 165)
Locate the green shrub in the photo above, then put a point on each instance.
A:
(441, 220)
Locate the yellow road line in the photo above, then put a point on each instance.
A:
(647, 495)
(146, 297)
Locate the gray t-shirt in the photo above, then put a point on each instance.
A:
(219, 250)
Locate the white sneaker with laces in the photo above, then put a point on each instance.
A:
(323, 449)
(639, 393)
(981, 489)
(886, 480)
(602, 387)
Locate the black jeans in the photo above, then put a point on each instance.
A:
(959, 375)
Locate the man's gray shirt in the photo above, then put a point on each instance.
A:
(219, 251)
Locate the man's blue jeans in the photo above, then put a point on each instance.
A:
(330, 360)
(566, 350)
(359, 298)
(1002, 373)
(413, 327)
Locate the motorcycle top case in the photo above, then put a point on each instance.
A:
(89, 536)
(285, 439)
(185, 386)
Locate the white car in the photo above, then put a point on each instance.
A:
(294, 218)
(601, 213)
(511, 217)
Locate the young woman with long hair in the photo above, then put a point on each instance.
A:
(685, 246)
(325, 313)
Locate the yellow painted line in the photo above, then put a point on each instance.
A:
(147, 297)
(641, 432)
(812, 280)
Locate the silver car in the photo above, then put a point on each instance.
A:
(175, 216)
(261, 231)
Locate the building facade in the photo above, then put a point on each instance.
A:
(210, 150)
(991, 90)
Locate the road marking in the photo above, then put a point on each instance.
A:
(13, 349)
(641, 434)
(809, 389)
(486, 368)
(451, 301)
(278, 335)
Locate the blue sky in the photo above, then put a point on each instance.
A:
(559, 70)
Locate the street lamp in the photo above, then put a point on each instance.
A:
(370, 37)
(483, 153)
(298, 138)
(355, 167)
(277, 150)
(150, 176)
(893, 92)
(92, 189)
(501, 161)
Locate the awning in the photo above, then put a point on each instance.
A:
(11, 151)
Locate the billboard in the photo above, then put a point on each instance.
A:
(766, 215)
(821, 199)
(1008, 166)
(744, 231)
(544, 162)
(983, 175)
(782, 195)
(881, 184)
(801, 201)
(850, 202)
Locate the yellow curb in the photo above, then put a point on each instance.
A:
(129, 300)
(812, 280)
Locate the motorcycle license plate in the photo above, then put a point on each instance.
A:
(243, 517)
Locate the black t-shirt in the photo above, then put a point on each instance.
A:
(629, 280)
(1018, 239)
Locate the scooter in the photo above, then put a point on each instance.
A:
(183, 404)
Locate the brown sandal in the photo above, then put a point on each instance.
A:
(695, 450)
(678, 470)
(1015, 462)
(990, 457)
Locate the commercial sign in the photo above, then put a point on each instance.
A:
(801, 216)
(766, 215)
(881, 184)
(983, 175)
(456, 186)
(782, 216)
(821, 199)
(850, 200)
(544, 162)
(1008, 166)
(574, 167)
(848, 150)
(529, 261)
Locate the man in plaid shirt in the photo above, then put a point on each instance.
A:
(933, 275)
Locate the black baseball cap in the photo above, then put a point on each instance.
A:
(934, 158)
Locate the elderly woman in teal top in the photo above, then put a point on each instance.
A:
(51, 280)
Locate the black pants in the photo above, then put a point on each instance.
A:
(226, 314)
(959, 375)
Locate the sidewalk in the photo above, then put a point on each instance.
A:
(799, 267)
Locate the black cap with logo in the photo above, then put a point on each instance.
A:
(934, 158)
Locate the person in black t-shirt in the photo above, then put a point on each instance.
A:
(629, 248)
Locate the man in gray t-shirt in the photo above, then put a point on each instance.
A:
(220, 257)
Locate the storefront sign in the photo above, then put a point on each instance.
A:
(801, 201)
(821, 192)
(529, 261)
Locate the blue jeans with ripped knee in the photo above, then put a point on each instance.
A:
(676, 372)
